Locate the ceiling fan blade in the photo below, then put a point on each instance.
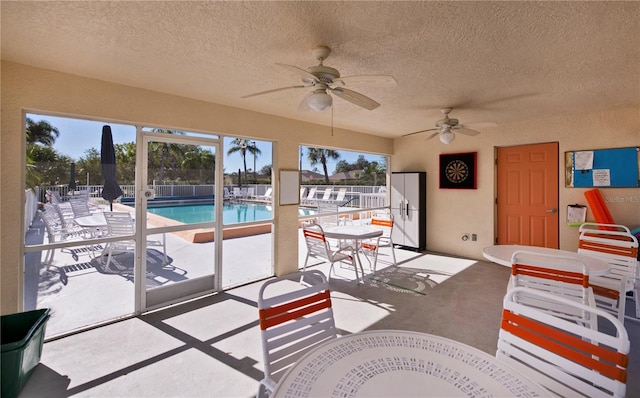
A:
(481, 125)
(434, 135)
(271, 91)
(303, 73)
(355, 98)
(422, 131)
(369, 80)
(466, 131)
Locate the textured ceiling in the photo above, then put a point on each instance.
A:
(492, 61)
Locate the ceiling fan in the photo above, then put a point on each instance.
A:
(446, 127)
(323, 79)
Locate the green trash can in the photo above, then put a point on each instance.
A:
(22, 340)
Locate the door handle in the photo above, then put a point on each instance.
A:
(551, 210)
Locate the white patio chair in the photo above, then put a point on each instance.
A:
(562, 276)
(619, 248)
(340, 196)
(226, 195)
(567, 358)
(311, 196)
(318, 247)
(57, 233)
(68, 227)
(326, 196)
(371, 247)
(121, 224)
(80, 208)
(267, 194)
(292, 323)
(251, 193)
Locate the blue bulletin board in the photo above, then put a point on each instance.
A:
(616, 167)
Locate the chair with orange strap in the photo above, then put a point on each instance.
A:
(293, 320)
(318, 247)
(558, 275)
(567, 358)
(370, 247)
(619, 248)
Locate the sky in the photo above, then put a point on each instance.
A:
(78, 135)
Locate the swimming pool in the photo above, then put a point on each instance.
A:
(232, 213)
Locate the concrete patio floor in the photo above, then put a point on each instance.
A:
(210, 347)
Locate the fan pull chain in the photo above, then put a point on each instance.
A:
(332, 121)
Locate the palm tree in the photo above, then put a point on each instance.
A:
(241, 145)
(167, 150)
(320, 155)
(199, 159)
(41, 132)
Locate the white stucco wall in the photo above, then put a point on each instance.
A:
(450, 213)
(36, 90)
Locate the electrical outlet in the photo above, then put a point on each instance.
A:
(474, 237)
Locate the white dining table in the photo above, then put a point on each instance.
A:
(501, 254)
(398, 363)
(94, 221)
(354, 232)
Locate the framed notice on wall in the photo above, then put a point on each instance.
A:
(289, 187)
(458, 170)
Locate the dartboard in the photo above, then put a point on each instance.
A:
(457, 171)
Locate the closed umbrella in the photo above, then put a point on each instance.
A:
(110, 188)
(72, 179)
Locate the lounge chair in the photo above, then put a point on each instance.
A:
(340, 197)
(326, 196)
(267, 195)
(311, 197)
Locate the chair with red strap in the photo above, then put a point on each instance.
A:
(620, 249)
(318, 247)
(558, 275)
(293, 320)
(567, 358)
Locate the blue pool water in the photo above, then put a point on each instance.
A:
(232, 213)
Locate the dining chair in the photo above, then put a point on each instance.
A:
(370, 247)
(121, 224)
(327, 214)
(620, 250)
(80, 208)
(292, 323)
(68, 227)
(318, 247)
(562, 276)
(567, 358)
(56, 233)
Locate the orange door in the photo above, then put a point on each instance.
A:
(527, 203)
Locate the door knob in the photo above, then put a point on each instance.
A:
(551, 210)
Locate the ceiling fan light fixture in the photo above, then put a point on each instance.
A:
(319, 101)
(447, 137)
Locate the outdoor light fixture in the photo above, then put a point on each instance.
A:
(319, 100)
(447, 137)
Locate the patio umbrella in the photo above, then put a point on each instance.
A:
(110, 189)
(72, 179)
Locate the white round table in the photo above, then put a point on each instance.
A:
(397, 363)
(501, 254)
